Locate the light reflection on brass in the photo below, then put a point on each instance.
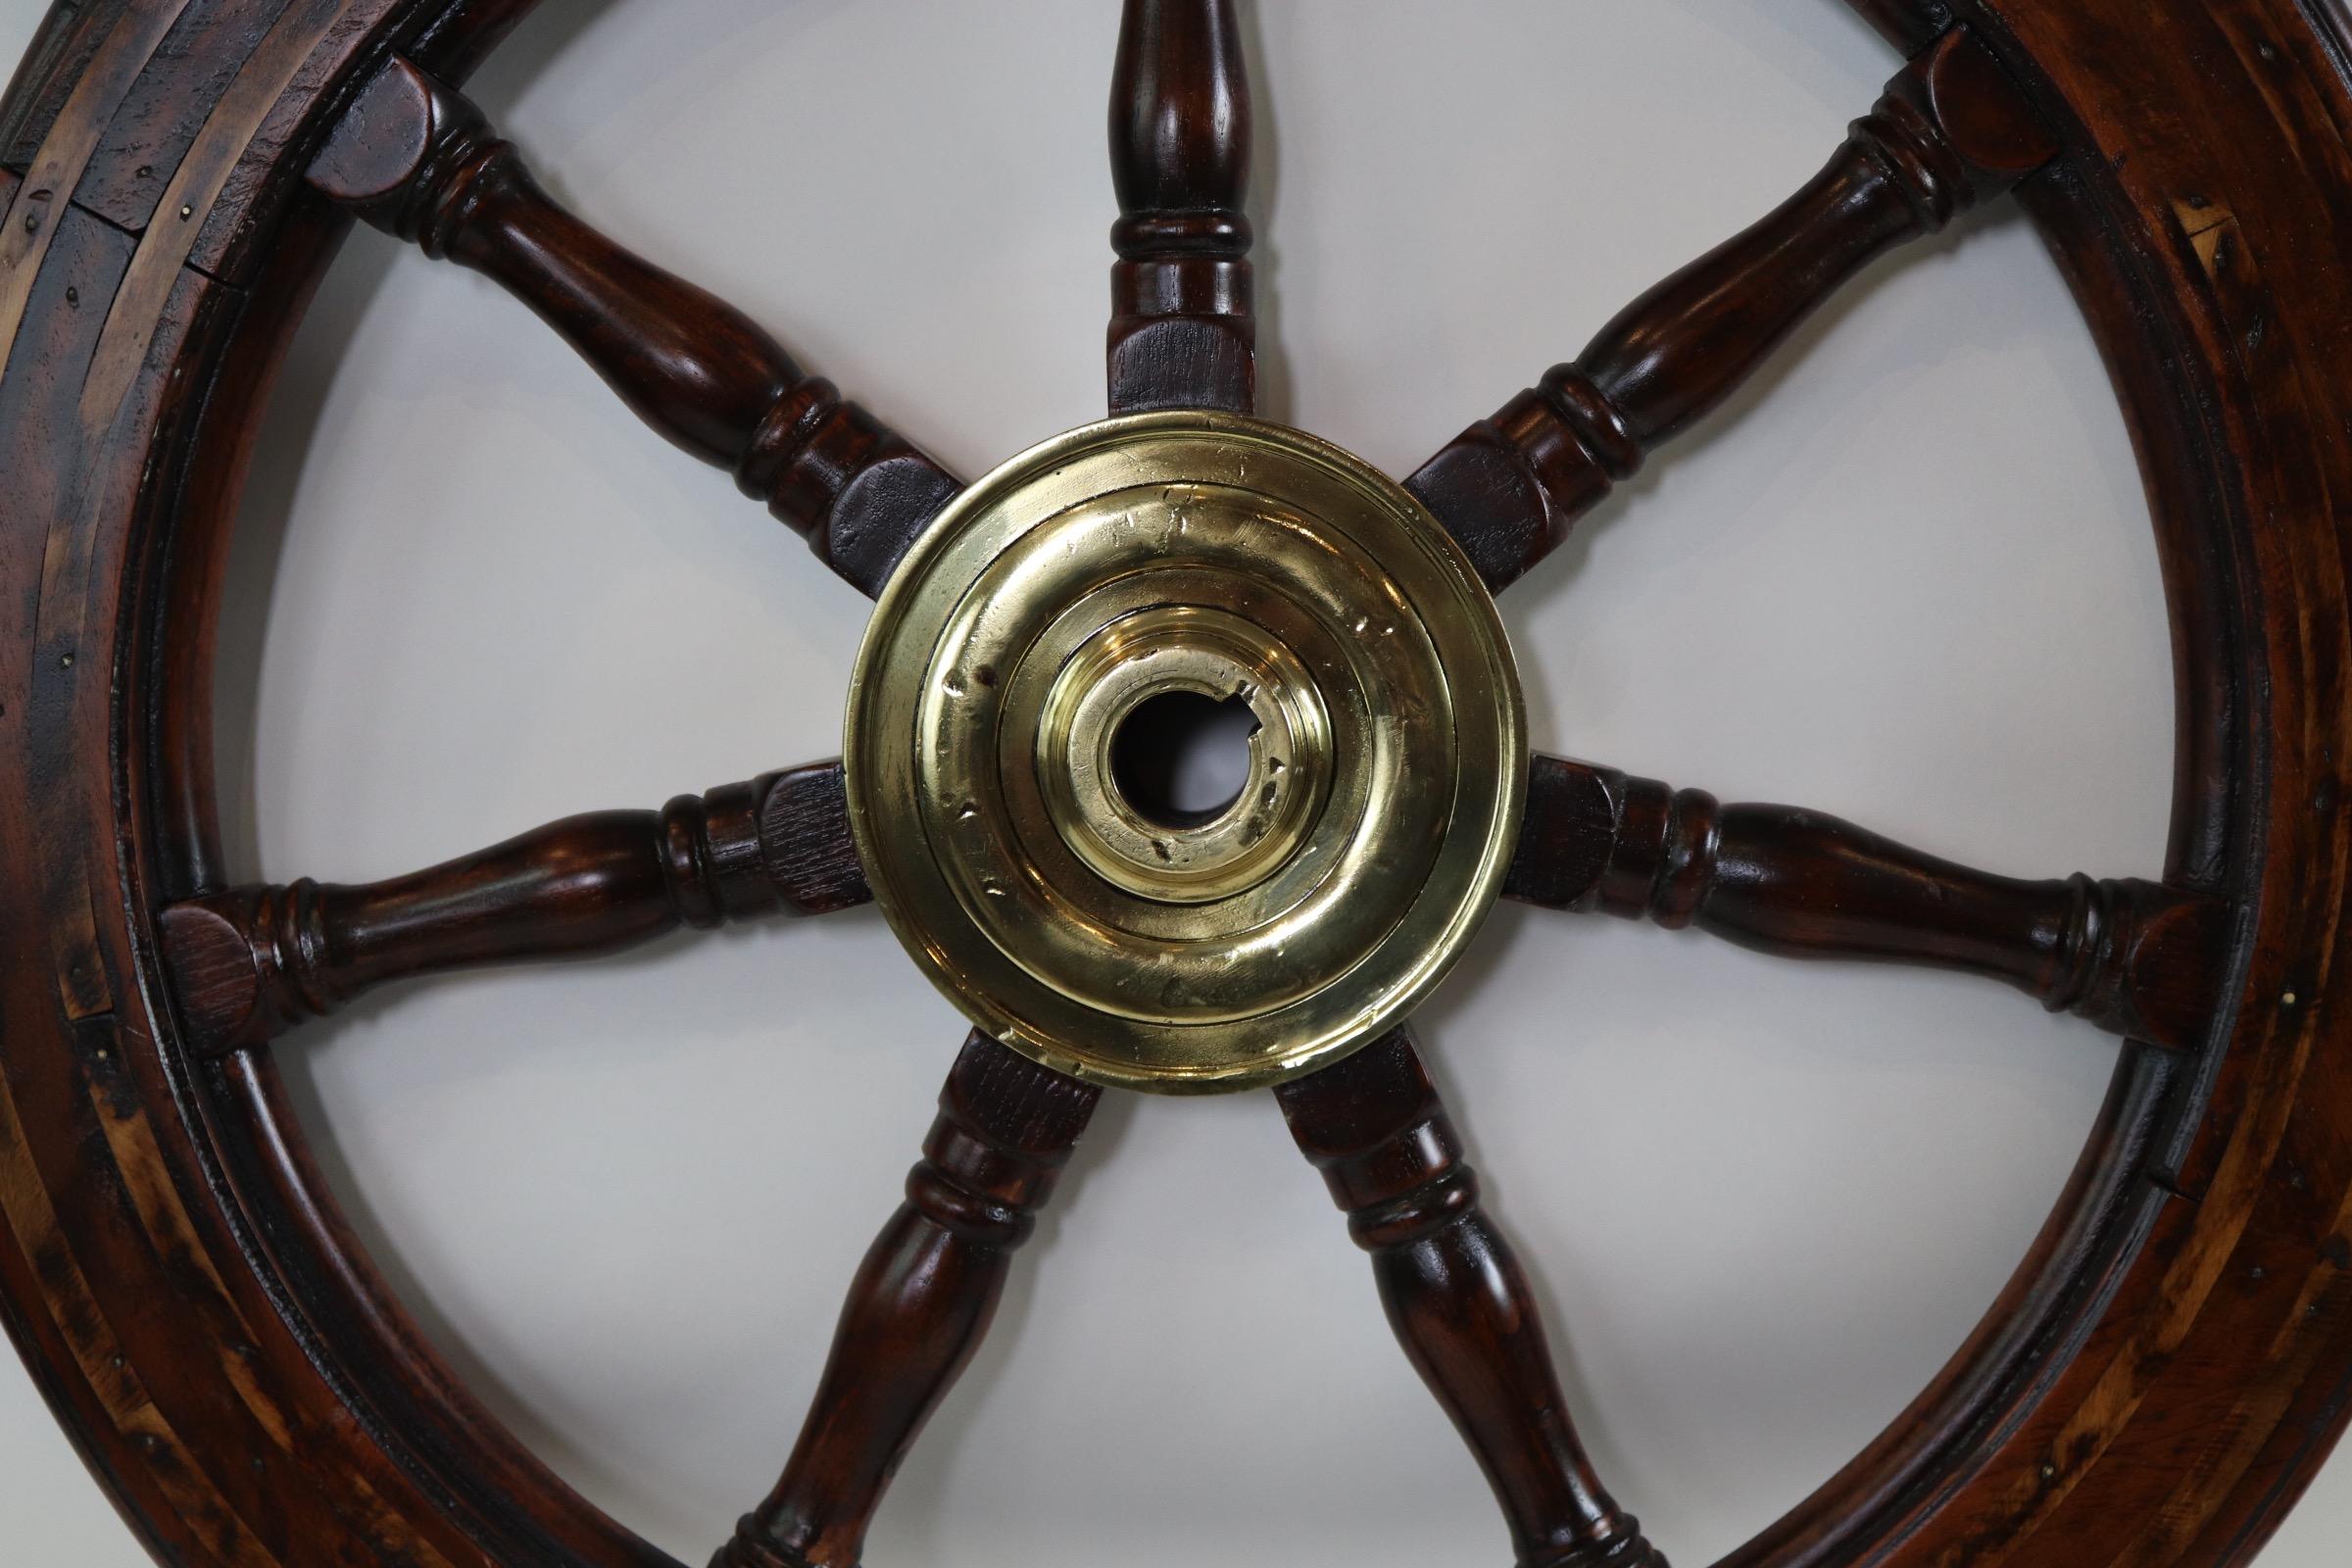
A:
(1231, 558)
(1143, 654)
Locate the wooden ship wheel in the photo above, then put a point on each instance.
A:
(2172, 1359)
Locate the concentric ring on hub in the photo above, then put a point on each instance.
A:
(1232, 558)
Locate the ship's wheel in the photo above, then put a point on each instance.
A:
(2170, 1361)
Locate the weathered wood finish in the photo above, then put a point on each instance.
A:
(226, 1395)
(920, 1302)
(250, 963)
(1951, 130)
(1454, 1293)
(1181, 333)
(2134, 956)
(417, 160)
(2164, 1374)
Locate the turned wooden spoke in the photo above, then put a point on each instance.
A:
(1951, 131)
(417, 160)
(2133, 957)
(250, 963)
(920, 1302)
(1454, 1293)
(1181, 331)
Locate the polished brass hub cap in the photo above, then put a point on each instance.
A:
(1234, 559)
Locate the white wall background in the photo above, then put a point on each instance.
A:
(1908, 579)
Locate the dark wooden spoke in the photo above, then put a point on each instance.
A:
(1181, 331)
(920, 1302)
(250, 963)
(420, 161)
(2135, 958)
(1455, 1292)
(1951, 131)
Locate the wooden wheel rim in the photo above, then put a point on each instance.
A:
(2201, 1233)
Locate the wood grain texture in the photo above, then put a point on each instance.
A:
(1455, 1292)
(2175, 1355)
(106, 63)
(2134, 956)
(232, 1449)
(920, 1302)
(158, 118)
(54, 61)
(417, 160)
(244, 1425)
(250, 963)
(2202, 223)
(254, 202)
(1183, 334)
(1952, 130)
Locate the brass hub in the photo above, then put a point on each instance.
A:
(1232, 558)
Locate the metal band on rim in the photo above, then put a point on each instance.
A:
(1236, 560)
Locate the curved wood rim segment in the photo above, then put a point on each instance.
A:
(2203, 260)
(2160, 1380)
(288, 1403)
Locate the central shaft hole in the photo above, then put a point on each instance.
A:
(1181, 759)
